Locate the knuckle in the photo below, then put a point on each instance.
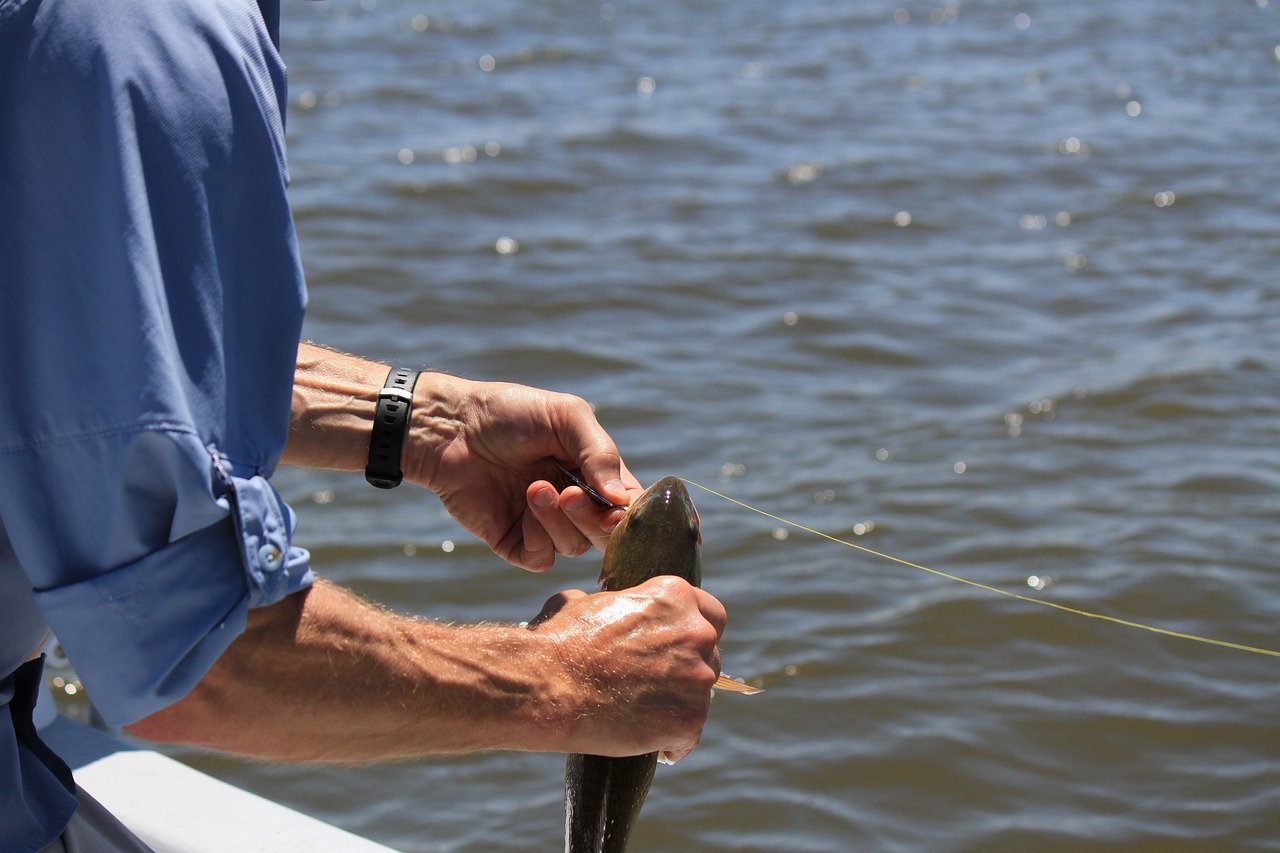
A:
(671, 585)
(577, 549)
(571, 403)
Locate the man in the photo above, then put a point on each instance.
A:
(151, 379)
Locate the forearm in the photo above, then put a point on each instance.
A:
(331, 418)
(324, 676)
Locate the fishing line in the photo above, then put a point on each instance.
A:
(982, 586)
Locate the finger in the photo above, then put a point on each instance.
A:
(592, 452)
(532, 549)
(554, 605)
(575, 480)
(605, 472)
(560, 531)
(669, 756)
(712, 610)
(672, 754)
(593, 523)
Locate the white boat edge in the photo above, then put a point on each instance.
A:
(177, 809)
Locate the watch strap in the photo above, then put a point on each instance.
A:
(390, 423)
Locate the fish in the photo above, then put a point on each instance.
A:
(723, 682)
(660, 534)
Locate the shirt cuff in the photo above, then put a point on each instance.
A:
(144, 634)
(264, 524)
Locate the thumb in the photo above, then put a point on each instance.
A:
(605, 471)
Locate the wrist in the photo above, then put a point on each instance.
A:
(437, 419)
(390, 426)
(557, 704)
(335, 400)
(505, 686)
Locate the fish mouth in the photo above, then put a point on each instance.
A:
(668, 498)
(667, 491)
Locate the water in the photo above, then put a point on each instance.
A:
(990, 286)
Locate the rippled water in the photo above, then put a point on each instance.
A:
(989, 286)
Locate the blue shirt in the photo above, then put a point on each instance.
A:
(151, 304)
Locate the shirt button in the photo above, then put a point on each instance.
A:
(270, 557)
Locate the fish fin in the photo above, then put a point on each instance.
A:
(729, 685)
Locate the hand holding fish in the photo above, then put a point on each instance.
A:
(642, 661)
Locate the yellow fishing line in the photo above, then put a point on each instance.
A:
(1073, 610)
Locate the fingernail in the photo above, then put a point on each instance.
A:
(544, 499)
(616, 492)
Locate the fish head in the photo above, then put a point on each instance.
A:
(659, 535)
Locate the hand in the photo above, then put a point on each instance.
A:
(488, 450)
(642, 660)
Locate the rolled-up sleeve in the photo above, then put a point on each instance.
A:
(160, 550)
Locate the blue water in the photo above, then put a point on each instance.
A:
(988, 286)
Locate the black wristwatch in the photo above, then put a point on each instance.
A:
(390, 423)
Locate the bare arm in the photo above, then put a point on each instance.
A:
(331, 417)
(484, 447)
(324, 676)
